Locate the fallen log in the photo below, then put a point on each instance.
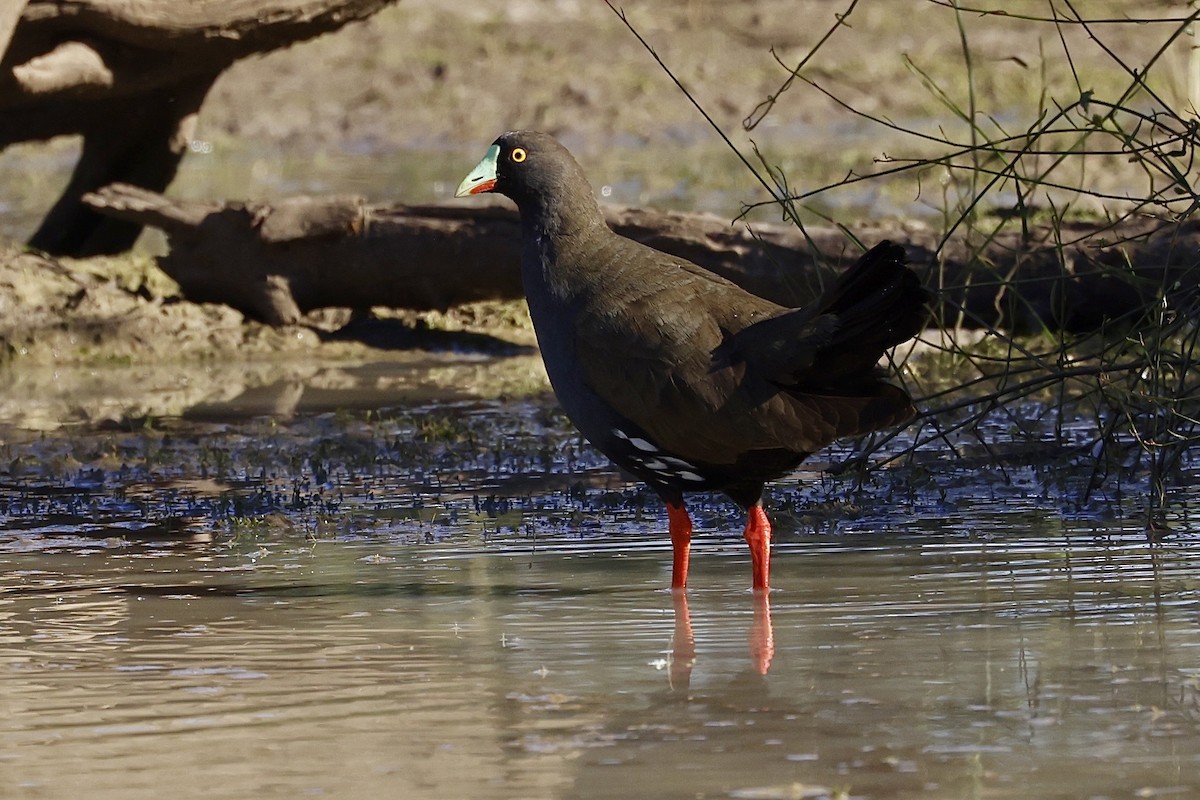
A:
(277, 261)
(130, 76)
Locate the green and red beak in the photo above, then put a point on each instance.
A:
(483, 177)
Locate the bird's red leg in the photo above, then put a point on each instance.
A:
(681, 543)
(758, 536)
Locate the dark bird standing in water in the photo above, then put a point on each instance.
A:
(679, 376)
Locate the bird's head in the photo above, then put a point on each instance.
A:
(532, 169)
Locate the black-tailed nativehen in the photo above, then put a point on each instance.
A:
(679, 376)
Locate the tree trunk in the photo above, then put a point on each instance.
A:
(277, 261)
(10, 14)
(130, 75)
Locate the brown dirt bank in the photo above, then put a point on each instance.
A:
(426, 74)
(124, 309)
(108, 341)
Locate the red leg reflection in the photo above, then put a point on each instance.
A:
(683, 645)
(762, 634)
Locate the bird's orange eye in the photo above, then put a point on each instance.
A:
(518, 155)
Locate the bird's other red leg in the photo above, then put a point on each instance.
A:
(681, 543)
(758, 536)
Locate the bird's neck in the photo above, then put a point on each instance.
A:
(552, 234)
(560, 216)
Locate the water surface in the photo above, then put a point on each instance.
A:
(463, 601)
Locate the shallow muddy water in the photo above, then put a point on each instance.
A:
(459, 599)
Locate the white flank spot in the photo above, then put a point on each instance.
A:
(691, 476)
(620, 434)
(654, 464)
(642, 444)
(678, 463)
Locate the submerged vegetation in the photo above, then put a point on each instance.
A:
(513, 469)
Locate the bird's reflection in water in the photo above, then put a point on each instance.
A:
(762, 634)
(761, 639)
(683, 643)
